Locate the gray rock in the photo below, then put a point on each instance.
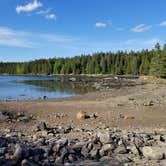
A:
(121, 150)
(24, 118)
(42, 126)
(26, 162)
(163, 163)
(85, 151)
(139, 142)
(3, 142)
(133, 149)
(3, 117)
(155, 153)
(107, 148)
(20, 152)
(3, 151)
(94, 154)
(72, 158)
(59, 144)
(123, 158)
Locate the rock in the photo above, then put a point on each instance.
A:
(72, 158)
(45, 97)
(42, 126)
(123, 159)
(73, 79)
(20, 152)
(127, 117)
(107, 148)
(60, 144)
(134, 150)
(24, 118)
(105, 137)
(3, 151)
(139, 142)
(163, 163)
(94, 154)
(93, 116)
(26, 162)
(155, 153)
(3, 117)
(44, 133)
(148, 103)
(121, 150)
(82, 115)
(3, 142)
(105, 158)
(36, 151)
(131, 98)
(85, 151)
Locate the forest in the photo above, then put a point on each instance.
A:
(144, 62)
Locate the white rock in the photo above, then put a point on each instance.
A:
(155, 153)
(104, 137)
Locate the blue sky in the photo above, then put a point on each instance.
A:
(33, 29)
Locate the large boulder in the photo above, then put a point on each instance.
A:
(155, 153)
(82, 115)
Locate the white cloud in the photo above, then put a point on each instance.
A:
(163, 23)
(29, 7)
(44, 12)
(55, 38)
(51, 16)
(140, 28)
(9, 37)
(100, 25)
(23, 39)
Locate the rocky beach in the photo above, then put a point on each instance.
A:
(123, 125)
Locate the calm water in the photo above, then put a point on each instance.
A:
(24, 87)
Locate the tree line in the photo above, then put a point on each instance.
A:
(144, 62)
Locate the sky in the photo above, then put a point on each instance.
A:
(34, 29)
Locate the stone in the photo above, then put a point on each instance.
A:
(72, 158)
(163, 163)
(121, 150)
(155, 153)
(24, 118)
(107, 148)
(73, 79)
(45, 97)
(26, 162)
(128, 117)
(148, 103)
(20, 152)
(104, 137)
(3, 117)
(60, 144)
(139, 142)
(42, 126)
(3, 142)
(123, 158)
(94, 154)
(133, 150)
(82, 115)
(85, 151)
(3, 151)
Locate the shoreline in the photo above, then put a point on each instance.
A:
(125, 114)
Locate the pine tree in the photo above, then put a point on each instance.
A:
(158, 64)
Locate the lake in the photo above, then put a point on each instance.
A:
(35, 87)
